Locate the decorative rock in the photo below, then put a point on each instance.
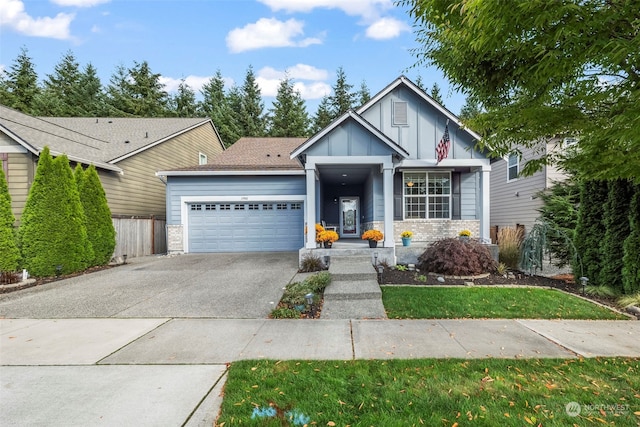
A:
(411, 267)
(440, 279)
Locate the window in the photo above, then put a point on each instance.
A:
(196, 207)
(202, 159)
(238, 207)
(281, 206)
(254, 206)
(225, 207)
(267, 207)
(427, 195)
(296, 206)
(400, 114)
(209, 207)
(513, 168)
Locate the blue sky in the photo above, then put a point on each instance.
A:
(191, 39)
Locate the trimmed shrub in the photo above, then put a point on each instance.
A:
(453, 257)
(590, 230)
(509, 242)
(617, 229)
(631, 259)
(100, 230)
(52, 231)
(9, 252)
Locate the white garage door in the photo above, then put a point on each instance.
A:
(246, 227)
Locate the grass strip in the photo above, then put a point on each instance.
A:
(411, 302)
(433, 392)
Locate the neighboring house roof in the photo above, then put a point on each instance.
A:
(101, 141)
(402, 80)
(250, 154)
(346, 116)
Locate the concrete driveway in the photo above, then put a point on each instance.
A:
(233, 286)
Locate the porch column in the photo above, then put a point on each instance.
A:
(310, 170)
(485, 211)
(387, 192)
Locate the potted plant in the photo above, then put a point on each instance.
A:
(327, 237)
(406, 237)
(464, 235)
(373, 236)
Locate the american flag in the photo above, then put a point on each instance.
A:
(442, 150)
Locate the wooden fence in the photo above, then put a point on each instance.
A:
(140, 236)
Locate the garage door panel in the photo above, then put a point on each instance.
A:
(244, 227)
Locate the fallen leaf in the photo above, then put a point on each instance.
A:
(506, 414)
(331, 424)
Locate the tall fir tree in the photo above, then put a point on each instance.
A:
(363, 95)
(420, 83)
(631, 246)
(19, 85)
(252, 120)
(52, 231)
(234, 100)
(617, 228)
(137, 92)
(323, 116)
(215, 104)
(9, 252)
(61, 95)
(590, 230)
(343, 98)
(471, 109)
(288, 117)
(100, 230)
(91, 97)
(183, 103)
(436, 94)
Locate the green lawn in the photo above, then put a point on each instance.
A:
(429, 392)
(411, 302)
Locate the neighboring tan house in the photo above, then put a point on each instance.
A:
(375, 167)
(514, 198)
(127, 152)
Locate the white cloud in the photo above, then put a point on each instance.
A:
(194, 82)
(368, 9)
(79, 3)
(13, 15)
(268, 79)
(386, 28)
(268, 33)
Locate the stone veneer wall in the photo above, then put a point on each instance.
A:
(428, 230)
(175, 238)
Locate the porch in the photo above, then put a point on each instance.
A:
(359, 248)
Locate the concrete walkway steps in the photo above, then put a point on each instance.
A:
(354, 292)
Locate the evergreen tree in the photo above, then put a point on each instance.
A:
(470, 110)
(91, 98)
(323, 116)
(100, 231)
(631, 259)
(52, 231)
(560, 211)
(61, 95)
(363, 94)
(420, 84)
(184, 102)
(288, 116)
(234, 100)
(19, 85)
(343, 98)
(590, 230)
(252, 120)
(137, 92)
(9, 252)
(617, 228)
(436, 94)
(215, 104)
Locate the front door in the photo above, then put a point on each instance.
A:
(349, 217)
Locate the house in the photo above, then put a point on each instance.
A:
(374, 167)
(514, 198)
(126, 152)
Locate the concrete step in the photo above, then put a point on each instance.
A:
(353, 309)
(352, 290)
(352, 268)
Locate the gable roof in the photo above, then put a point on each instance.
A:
(339, 121)
(100, 141)
(250, 154)
(402, 80)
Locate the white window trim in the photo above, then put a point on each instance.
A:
(426, 196)
(202, 159)
(517, 166)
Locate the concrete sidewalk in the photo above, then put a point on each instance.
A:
(169, 371)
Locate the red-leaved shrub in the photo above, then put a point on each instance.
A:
(454, 257)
